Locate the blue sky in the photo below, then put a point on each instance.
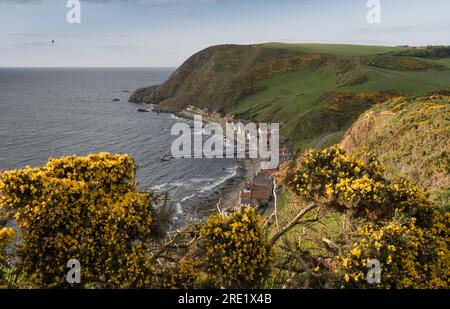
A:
(166, 32)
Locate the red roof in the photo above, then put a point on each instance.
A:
(262, 183)
(260, 194)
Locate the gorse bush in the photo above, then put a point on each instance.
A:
(236, 251)
(398, 63)
(185, 276)
(333, 177)
(410, 256)
(230, 251)
(6, 237)
(339, 181)
(89, 209)
(401, 227)
(84, 208)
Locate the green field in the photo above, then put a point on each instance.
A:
(335, 49)
(315, 91)
(293, 98)
(444, 62)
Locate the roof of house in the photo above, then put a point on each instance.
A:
(262, 177)
(262, 184)
(261, 194)
(262, 187)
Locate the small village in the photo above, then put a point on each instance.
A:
(259, 192)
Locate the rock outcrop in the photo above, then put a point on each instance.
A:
(149, 95)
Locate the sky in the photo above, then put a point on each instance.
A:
(164, 33)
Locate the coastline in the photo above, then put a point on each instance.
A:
(230, 198)
(226, 195)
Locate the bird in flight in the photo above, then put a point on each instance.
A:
(53, 42)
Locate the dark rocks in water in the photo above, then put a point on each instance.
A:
(149, 95)
(116, 100)
(125, 91)
(142, 110)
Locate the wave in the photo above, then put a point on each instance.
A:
(179, 209)
(167, 184)
(158, 187)
(173, 116)
(197, 180)
(187, 197)
(220, 181)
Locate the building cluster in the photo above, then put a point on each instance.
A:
(258, 191)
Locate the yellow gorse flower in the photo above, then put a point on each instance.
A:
(85, 208)
(238, 252)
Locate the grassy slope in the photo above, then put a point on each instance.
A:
(289, 97)
(335, 49)
(411, 137)
(315, 91)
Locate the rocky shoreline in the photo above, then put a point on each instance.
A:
(226, 195)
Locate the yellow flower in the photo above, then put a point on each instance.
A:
(389, 259)
(356, 252)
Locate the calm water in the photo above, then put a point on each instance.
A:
(53, 112)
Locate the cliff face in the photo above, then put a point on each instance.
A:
(201, 81)
(148, 95)
(218, 77)
(410, 137)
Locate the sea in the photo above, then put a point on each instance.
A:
(53, 112)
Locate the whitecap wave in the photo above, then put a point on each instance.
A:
(179, 209)
(173, 116)
(198, 180)
(167, 184)
(187, 197)
(158, 187)
(220, 181)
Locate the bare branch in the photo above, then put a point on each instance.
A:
(330, 245)
(293, 223)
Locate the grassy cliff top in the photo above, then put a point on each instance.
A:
(315, 91)
(335, 49)
(411, 138)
